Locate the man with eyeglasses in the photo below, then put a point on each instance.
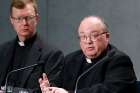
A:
(98, 67)
(28, 49)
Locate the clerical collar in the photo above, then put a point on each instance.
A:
(88, 60)
(27, 42)
(21, 43)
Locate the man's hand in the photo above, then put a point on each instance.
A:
(44, 83)
(56, 90)
(2, 91)
(45, 86)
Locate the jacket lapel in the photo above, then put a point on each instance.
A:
(78, 64)
(6, 59)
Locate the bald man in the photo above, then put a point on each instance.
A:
(98, 67)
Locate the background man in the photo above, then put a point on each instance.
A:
(27, 49)
(98, 67)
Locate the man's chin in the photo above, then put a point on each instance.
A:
(25, 33)
(91, 55)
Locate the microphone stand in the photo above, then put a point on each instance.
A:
(8, 75)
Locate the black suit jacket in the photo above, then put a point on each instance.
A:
(113, 73)
(40, 52)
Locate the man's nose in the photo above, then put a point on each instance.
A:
(25, 21)
(89, 40)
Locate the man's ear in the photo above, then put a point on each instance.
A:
(11, 20)
(37, 17)
(108, 35)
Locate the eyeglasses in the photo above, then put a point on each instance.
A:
(21, 19)
(92, 36)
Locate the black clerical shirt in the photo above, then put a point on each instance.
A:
(19, 60)
(86, 65)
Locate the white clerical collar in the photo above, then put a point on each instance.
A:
(21, 43)
(88, 60)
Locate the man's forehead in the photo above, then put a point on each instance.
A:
(89, 32)
(91, 23)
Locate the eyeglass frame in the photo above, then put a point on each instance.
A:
(92, 36)
(20, 19)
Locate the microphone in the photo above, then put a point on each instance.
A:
(20, 69)
(100, 61)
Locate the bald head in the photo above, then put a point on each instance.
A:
(94, 21)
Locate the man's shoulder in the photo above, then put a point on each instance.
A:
(7, 44)
(46, 46)
(75, 54)
(74, 58)
(116, 52)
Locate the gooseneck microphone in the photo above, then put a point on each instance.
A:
(77, 81)
(16, 70)
(85, 72)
